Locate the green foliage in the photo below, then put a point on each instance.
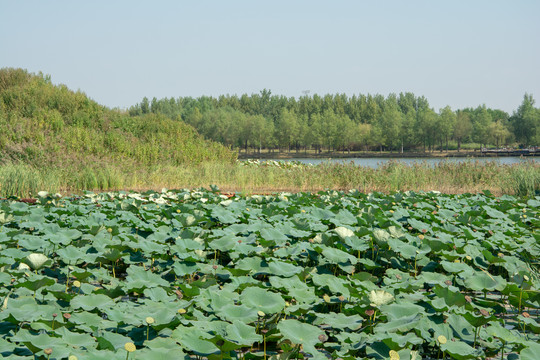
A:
(44, 125)
(200, 274)
(337, 122)
(525, 181)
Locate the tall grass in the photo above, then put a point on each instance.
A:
(467, 177)
(524, 181)
(25, 181)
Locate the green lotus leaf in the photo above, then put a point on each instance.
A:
(480, 281)
(139, 278)
(193, 339)
(300, 333)
(75, 339)
(531, 351)
(334, 284)
(112, 341)
(242, 313)
(337, 256)
(90, 302)
(273, 237)
(162, 354)
(460, 350)
(71, 255)
(397, 311)
(262, 300)
(35, 342)
(339, 321)
(242, 334)
(401, 325)
(282, 268)
(34, 282)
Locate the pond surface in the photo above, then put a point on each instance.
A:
(376, 162)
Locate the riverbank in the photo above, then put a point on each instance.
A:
(284, 155)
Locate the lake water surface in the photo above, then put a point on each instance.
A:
(376, 162)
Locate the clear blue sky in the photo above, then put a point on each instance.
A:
(457, 53)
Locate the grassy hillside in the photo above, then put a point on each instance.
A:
(51, 131)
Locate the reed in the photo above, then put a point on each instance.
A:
(467, 177)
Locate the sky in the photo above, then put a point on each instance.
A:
(458, 53)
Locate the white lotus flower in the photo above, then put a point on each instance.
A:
(36, 261)
(380, 297)
(43, 194)
(344, 232)
(23, 266)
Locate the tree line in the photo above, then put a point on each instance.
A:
(403, 122)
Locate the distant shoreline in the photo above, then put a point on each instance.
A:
(373, 154)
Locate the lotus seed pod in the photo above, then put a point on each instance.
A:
(72, 357)
(130, 347)
(149, 320)
(48, 351)
(109, 230)
(393, 355)
(261, 313)
(67, 316)
(77, 283)
(181, 311)
(421, 237)
(441, 339)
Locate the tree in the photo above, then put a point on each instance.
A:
(497, 132)
(526, 121)
(145, 105)
(390, 124)
(462, 128)
(286, 129)
(481, 121)
(446, 124)
(425, 126)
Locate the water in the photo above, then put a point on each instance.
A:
(376, 162)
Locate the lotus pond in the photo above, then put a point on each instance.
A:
(198, 274)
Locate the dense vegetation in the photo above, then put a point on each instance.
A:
(323, 276)
(49, 126)
(338, 122)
